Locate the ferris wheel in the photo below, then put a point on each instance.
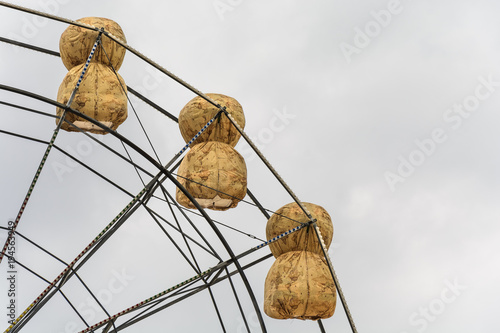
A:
(166, 234)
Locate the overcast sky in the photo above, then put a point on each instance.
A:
(383, 112)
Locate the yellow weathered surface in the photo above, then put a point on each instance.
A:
(100, 96)
(299, 285)
(304, 239)
(197, 112)
(76, 43)
(211, 167)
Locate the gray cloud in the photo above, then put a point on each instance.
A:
(395, 250)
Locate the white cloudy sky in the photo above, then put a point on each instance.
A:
(374, 134)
